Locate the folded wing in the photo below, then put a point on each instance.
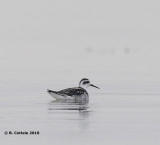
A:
(73, 91)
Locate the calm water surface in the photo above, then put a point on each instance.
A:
(113, 119)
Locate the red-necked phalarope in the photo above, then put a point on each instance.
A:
(77, 93)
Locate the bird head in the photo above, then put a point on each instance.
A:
(85, 83)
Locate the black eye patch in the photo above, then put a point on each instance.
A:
(87, 82)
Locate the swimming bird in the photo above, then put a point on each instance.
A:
(76, 93)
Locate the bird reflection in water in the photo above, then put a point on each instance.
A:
(72, 111)
(79, 105)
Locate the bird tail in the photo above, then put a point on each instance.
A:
(50, 91)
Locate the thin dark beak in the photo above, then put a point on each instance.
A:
(94, 86)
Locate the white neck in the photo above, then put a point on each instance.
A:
(83, 86)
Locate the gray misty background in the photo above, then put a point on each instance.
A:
(67, 40)
(52, 44)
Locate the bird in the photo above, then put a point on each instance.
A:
(76, 93)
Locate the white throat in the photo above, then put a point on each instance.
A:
(83, 86)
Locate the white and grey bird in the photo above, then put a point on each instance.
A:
(77, 93)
